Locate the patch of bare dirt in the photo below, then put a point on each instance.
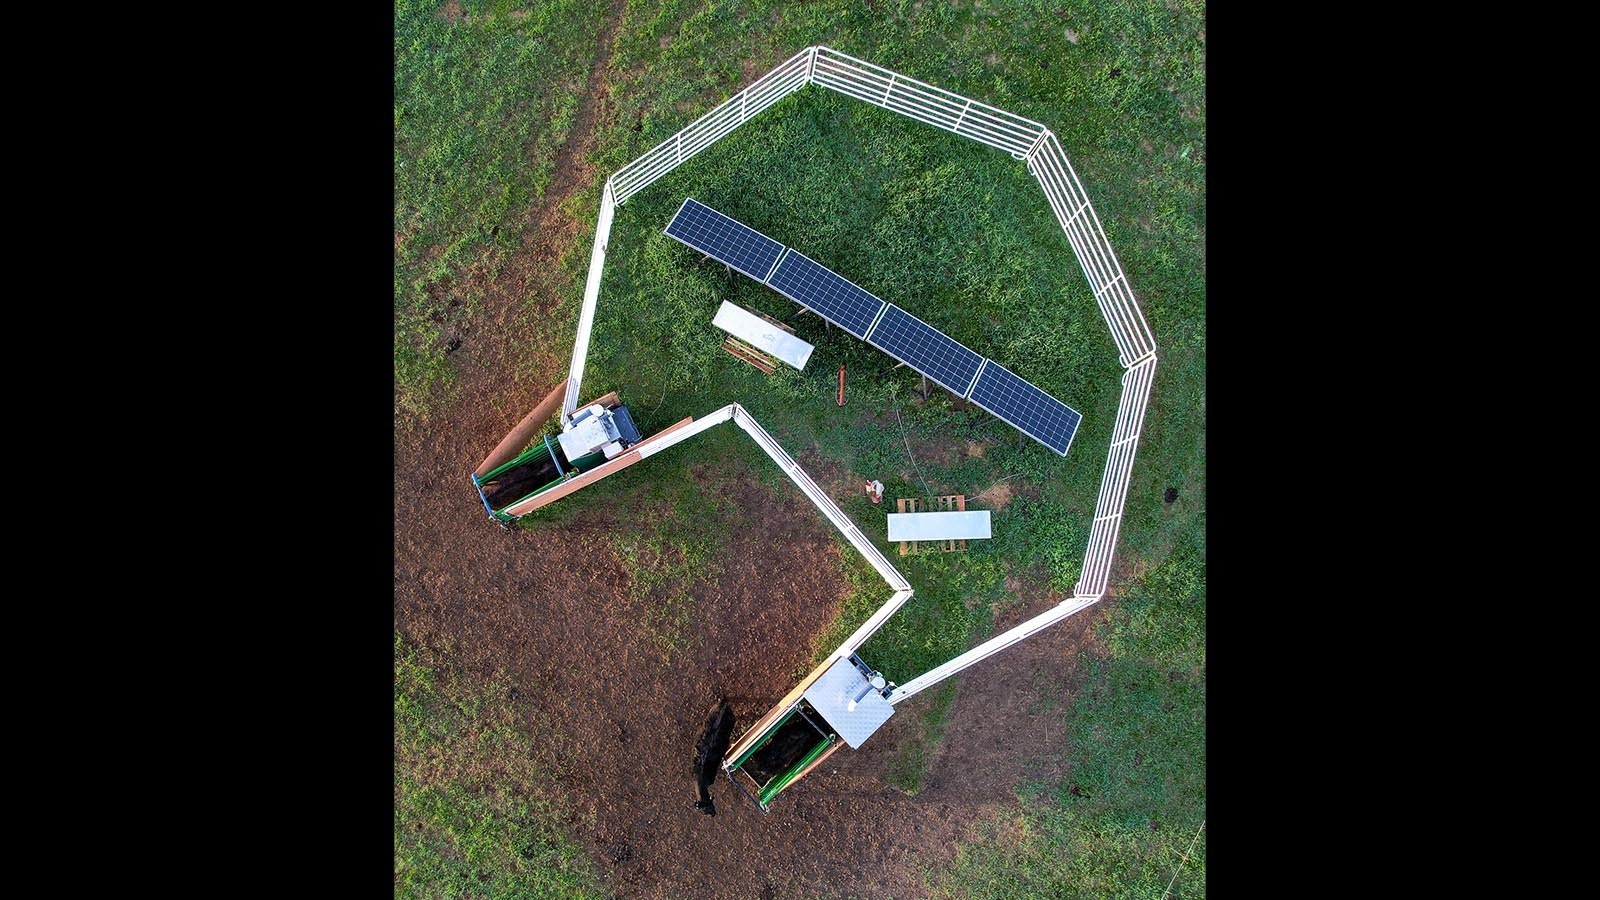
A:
(451, 11)
(1017, 585)
(997, 496)
(829, 475)
(552, 608)
(936, 452)
(1006, 727)
(1004, 732)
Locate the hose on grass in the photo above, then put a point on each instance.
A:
(913, 459)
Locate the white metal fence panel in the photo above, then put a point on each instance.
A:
(1078, 220)
(1114, 483)
(591, 298)
(782, 81)
(820, 499)
(919, 100)
(992, 646)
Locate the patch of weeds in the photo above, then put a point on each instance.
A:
(482, 102)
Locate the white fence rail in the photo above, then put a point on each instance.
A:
(1099, 262)
(822, 501)
(713, 126)
(990, 647)
(921, 101)
(1024, 139)
(591, 299)
(1114, 483)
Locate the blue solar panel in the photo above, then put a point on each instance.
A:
(828, 295)
(1037, 414)
(926, 349)
(723, 239)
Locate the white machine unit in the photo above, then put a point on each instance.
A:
(850, 697)
(592, 428)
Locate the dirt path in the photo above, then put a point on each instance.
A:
(505, 360)
(618, 717)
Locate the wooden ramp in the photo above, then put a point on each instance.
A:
(952, 503)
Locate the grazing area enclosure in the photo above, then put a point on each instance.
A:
(701, 572)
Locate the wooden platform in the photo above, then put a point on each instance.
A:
(952, 503)
(746, 353)
(749, 354)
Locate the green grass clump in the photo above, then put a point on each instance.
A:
(469, 820)
(909, 767)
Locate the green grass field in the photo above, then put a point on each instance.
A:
(1136, 797)
(480, 106)
(470, 818)
(952, 231)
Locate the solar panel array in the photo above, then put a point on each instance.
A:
(821, 290)
(1032, 411)
(885, 326)
(926, 349)
(724, 240)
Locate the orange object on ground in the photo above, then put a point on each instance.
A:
(841, 385)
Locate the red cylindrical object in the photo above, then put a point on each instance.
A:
(841, 385)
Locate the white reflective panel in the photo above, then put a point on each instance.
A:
(939, 526)
(762, 335)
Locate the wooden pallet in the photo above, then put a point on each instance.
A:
(952, 503)
(749, 354)
(746, 353)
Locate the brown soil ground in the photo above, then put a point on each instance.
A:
(617, 717)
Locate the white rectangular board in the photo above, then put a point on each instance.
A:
(762, 335)
(939, 526)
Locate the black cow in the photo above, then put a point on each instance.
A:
(708, 753)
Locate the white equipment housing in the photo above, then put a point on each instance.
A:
(593, 428)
